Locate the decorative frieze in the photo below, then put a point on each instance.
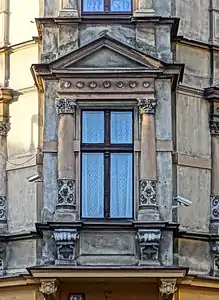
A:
(147, 106)
(48, 287)
(148, 193)
(65, 240)
(167, 288)
(149, 243)
(65, 106)
(3, 213)
(4, 127)
(215, 207)
(214, 127)
(66, 193)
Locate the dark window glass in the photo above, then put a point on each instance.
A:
(107, 164)
(107, 6)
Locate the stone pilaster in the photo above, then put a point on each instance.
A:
(6, 96)
(148, 209)
(145, 8)
(69, 8)
(65, 240)
(66, 210)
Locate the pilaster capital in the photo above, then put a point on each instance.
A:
(6, 95)
(167, 288)
(65, 106)
(5, 126)
(49, 288)
(147, 106)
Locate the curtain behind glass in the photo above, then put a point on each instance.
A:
(120, 5)
(121, 127)
(93, 127)
(93, 5)
(121, 185)
(92, 185)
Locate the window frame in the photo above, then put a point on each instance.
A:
(106, 148)
(106, 10)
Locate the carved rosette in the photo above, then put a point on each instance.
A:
(65, 106)
(148, 192)
(5, 126)
(65, 240)
(149, 242)
(214, 127)
(66, 193)
(48, 287)
(215, 207)
(147, 106)
(167, 288)
(3, 214)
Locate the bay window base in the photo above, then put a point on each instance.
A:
(68, 12)
(66, 215)
(148, 214)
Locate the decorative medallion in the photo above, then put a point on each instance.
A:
(120, 84)
(66, 193)
(67, 84)
(145, 84)
(214, 127)
(92, 85)
(3, 208)
(48, 287)
(147, 106)
(65, 106)
(107, 84)
(215, 207)
(167, 287)
(149, 241)
(5, 126)
(148, 192)
(65, 240)
(132, 84)
(80, 84)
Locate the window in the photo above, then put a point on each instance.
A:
(107, 6)
(107, 164)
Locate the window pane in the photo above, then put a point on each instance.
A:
(93, 127)
(92, 185)
(121, 127)
(121, 185)
(120, 5)
(93, 5)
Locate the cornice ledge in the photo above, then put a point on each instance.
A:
(201, 236)
(56, 20)
(19, 236)
(17, 280)
(40, 227)
(157, 225)
(189, 90)
(212, 93)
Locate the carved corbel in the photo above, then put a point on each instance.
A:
(167, 288)
(49, 289)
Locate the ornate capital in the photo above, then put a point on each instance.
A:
(49, 288)
(147, 106)
(4, 127)
(214, 127)
(215, 207)
(149, 242)
(65, 240)
(3, 213)
(167, 288)
(65, 106)
(147, 193)
(66, 194)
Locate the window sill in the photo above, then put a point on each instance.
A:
(107, 224)
(103, 18)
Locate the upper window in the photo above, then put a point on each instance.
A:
(107, 164)
(107, 6)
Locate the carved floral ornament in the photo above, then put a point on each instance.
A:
(65, 240)
(149, 242)
(65, 106)
(147, 106)
(5, 126)
(48, 287)
(2, 208)
(167, 288)
(215, 207)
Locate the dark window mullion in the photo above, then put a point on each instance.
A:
(107, 6)
(106, 185)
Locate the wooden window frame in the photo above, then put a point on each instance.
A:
(107, 148)
(106, 10)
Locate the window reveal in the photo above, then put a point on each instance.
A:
(107, 164)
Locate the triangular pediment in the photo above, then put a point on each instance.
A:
(106, 53)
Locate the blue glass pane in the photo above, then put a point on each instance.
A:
(92, 185)
(120, 5)
(93, 127)
(93, 5)
(121, 127)
(121, 185)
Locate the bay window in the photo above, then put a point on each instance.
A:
(107, 6)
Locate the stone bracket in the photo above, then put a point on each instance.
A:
(49, 289)
(167, 288)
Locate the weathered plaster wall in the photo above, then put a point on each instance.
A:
(194, 17)
(196, 293)
(20, 293)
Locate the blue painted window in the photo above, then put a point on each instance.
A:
(107, 6)
(107, 164)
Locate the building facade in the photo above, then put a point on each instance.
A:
(109, 157)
